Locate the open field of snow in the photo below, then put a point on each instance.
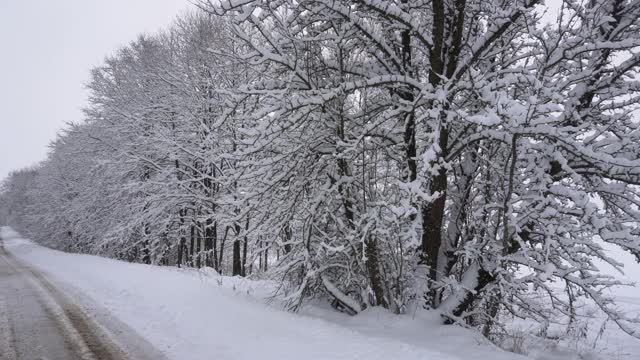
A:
(192, 315)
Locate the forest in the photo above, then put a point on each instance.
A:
(475, 158)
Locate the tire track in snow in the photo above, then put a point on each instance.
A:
(87, 340)
(7, 346)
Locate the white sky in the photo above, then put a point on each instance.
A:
(46, 50)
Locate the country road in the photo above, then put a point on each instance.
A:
(39, 321)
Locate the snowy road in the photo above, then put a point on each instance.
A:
(37, 321)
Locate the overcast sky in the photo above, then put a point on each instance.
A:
(46, 50)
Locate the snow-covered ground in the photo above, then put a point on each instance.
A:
(601, 338)
(191, 315)
(613, 341)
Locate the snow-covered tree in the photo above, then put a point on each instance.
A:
(471, 157)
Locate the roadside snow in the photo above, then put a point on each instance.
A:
(193, 315)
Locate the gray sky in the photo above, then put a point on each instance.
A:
(46, 50)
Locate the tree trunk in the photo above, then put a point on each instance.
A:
(237, 258)
(199, 245)
(209, 244)
(181, 247)
(146, 256)
(287, 238)
(191, 245)
(432, 220)
(266, 259)
(224, 240)
(243, 269)
(373, 267)
(146, 253)
(244, 248)
(214, 233)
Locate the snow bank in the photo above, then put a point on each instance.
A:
(192, 315)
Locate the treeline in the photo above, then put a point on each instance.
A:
(457, 155)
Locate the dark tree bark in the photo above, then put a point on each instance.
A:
(243, 269)
(214, 233)
(237, 258)
(244, 249)
(183, 239)
(181, 247)
(287, 233)
(266, 259)
(484, 278)
(443, 52)
(199, 245)
(373, 267)
(209, 244)
(408, 95)
(224, 240)
(146, 253)
(191, 244)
